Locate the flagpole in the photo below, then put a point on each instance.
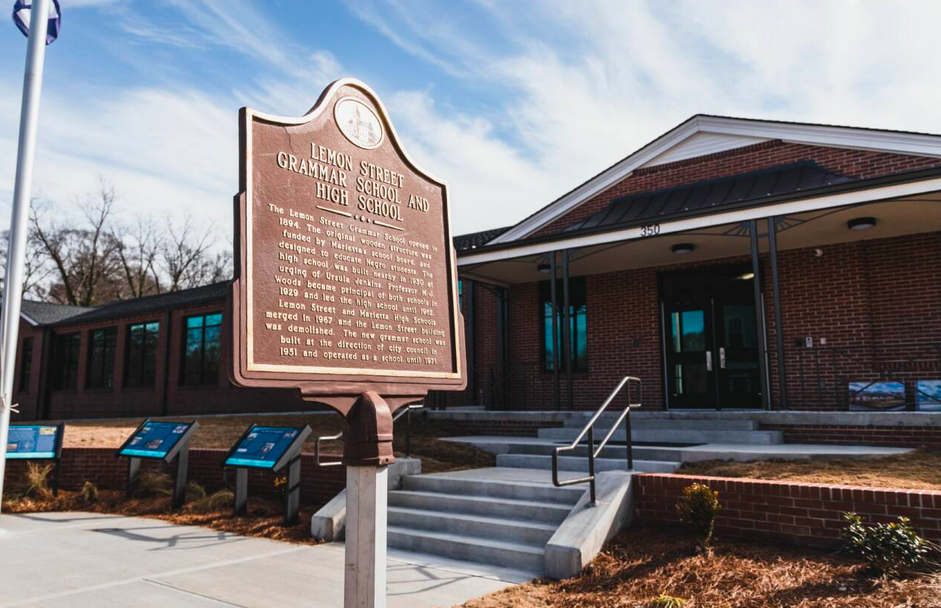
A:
(16, 254)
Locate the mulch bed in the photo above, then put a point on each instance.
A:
(639, 565)
(917, 470)
(264, 517)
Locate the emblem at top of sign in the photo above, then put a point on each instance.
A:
(358, 123)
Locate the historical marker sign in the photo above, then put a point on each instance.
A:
(347, 277)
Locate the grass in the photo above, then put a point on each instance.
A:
(221, 432)
(649, 568)
(917, 470)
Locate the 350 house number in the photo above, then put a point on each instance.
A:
(650, 230)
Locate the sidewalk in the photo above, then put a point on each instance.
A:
(90, 560)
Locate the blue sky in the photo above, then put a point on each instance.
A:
(511, 102)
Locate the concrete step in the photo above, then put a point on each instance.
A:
(497, 528)
(534, 492)
(457, 546)
(692, 424)
(672, 436)
(610, 451)
(480, 505)
(575, 463)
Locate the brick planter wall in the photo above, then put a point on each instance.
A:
(98, 465)
(795, 513)
(886, 436)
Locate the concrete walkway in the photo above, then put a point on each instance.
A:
(85, 560)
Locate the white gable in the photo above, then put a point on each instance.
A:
(701, 135)
(703, 143)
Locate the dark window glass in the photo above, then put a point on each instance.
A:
(66, 361)
(578, 324)
(201, 349)
(141, 364)
(26, 364)
(101, 347)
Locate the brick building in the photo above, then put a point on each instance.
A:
(730, 264)
(153, 356)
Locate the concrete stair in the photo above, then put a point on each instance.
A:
(690, 436)
(580, 463)
(696, 424)
(494, 521)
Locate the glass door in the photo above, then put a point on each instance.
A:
(711, 339)
(689, 360)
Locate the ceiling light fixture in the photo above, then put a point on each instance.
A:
(861, 223)
(683, 248)
(544, 267)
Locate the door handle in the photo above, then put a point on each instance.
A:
(708, 360)
(722, 358)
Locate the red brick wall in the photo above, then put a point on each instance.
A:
(887, 436)
(99, 465)
(801, 513)
(27, 397)
(855, 163)
(864, 297)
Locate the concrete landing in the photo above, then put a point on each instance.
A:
(708, 451)
(90, 560)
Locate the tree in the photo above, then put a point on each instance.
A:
(138, 253)
(187, 259)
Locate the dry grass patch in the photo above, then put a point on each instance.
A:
(647, 568)
(918, 470)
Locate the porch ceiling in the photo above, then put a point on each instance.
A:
(810, 229)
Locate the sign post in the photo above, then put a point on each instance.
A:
(163, 441)
(345, 289)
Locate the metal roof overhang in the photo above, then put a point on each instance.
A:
(626, 246)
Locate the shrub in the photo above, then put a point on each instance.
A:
(89, 493)
(151, 484)
(34, 484)
(698, 509)
(194, 492)
(889, 549)
(214, 502)
(667, 601)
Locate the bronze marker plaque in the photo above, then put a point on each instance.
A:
(346, 278)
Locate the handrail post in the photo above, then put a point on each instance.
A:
(591, 462)
(629, 437)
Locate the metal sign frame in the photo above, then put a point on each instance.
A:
(56, 458)
(180, 451)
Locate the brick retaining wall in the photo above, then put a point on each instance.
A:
(98, 465)
(795, 513)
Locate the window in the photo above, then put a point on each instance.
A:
(578, 324)
(66, 361)
(202, 343)
(140, 368)
(26, 364)
(101, 346)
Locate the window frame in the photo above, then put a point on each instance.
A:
(203, 378)
(578, 305)
(141, 382)
(26, 364)
(109, 351)
(75, 347)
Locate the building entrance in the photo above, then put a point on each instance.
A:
(710, 339)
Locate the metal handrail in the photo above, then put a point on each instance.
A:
(590, 431)
(406, 411)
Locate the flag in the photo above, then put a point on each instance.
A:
(21, 16)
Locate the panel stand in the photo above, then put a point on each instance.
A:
(292, 497)
(241, 491)
(366, 517)
(133, 471)
(179, 485)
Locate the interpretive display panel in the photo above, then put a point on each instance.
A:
(34, 442)
(155, 439)
(263, 447)
(347, 278)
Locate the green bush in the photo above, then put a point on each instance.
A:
(889, 549)
(698, 508)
